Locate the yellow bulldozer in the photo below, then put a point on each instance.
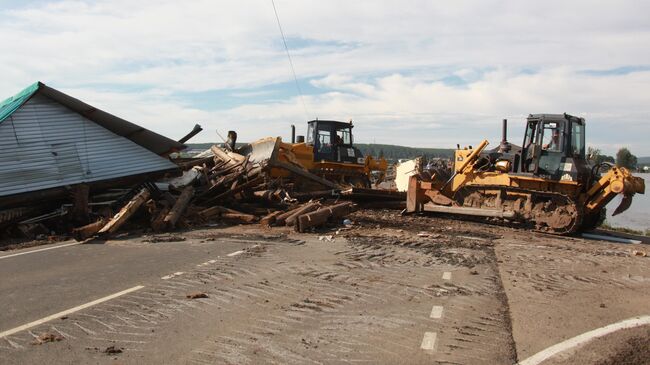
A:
(328, 153)
(546, 184)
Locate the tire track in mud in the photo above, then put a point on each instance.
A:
(290, 302)
(364, 306)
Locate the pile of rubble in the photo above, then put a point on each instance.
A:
(228, 187)
(225, 186)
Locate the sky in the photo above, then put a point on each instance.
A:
(416, 73)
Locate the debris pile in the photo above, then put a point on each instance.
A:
(227, 186)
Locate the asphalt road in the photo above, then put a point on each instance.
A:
(40, 283)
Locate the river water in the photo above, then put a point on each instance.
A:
(637, 217)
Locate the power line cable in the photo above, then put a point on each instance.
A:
(293, 71)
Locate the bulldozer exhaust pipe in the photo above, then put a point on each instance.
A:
(504, 146)
(293, 133)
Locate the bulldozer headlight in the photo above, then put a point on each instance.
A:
(361, 160)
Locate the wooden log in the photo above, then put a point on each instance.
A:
(293, 219)
(223, 212)
(126, 212)
(243, 217)
(158, 222)
(275, 195)
(234, 190)
(229, 157)
(269, 219)
(181, 204)
(282, 218)
(322, 215)
(80, 208)
(87, 231)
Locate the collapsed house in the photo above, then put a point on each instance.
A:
(69, 169)
(53, 145)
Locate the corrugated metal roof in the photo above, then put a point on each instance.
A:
(44, 144)
(10, 105)
(152, 141)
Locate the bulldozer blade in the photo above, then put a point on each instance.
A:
(625, 203)
(262, 151)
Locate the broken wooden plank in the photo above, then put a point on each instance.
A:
(270, 218)
(243, 217)
(230, 158)
(282, 218)
(181, 204)
(293, 218)
(126, 212)
(158, 222)
(87, 231)
(236, 189)
(219, 211)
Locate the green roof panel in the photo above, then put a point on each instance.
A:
(9, 106)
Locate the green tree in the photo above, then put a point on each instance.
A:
(594, 156)
(625, 158)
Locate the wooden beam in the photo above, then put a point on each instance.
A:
(322, 215)
(181, 204)
(269, 219)
(126, 212)
(87, 231)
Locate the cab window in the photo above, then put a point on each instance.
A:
(310, 134)
(324, 143)
(552, 137)
(578, 139)
(343, 136)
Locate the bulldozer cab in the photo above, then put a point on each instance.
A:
(554, 147)
(332, 141)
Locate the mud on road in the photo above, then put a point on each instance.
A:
(389, 290)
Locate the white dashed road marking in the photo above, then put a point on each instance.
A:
(67, 312)
(436, 312)
(167, 277)
(446, 275)
(428, 341)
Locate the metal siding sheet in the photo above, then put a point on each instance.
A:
(57, 147)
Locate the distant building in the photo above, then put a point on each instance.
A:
(51, 140)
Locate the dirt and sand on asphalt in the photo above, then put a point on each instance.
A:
(388, 289)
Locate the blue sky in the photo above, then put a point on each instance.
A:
(420, 73)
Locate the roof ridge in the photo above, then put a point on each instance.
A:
(13, 103)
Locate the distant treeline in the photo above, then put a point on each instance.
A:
(388, 151)
(392, 152)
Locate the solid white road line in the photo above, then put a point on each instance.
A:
(235, 253)
(584, 338)
(428, 341)
(446, 275)
(39, 250)
(436, 312)
(68, 311)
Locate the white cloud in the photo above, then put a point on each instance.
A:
(377, 62)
